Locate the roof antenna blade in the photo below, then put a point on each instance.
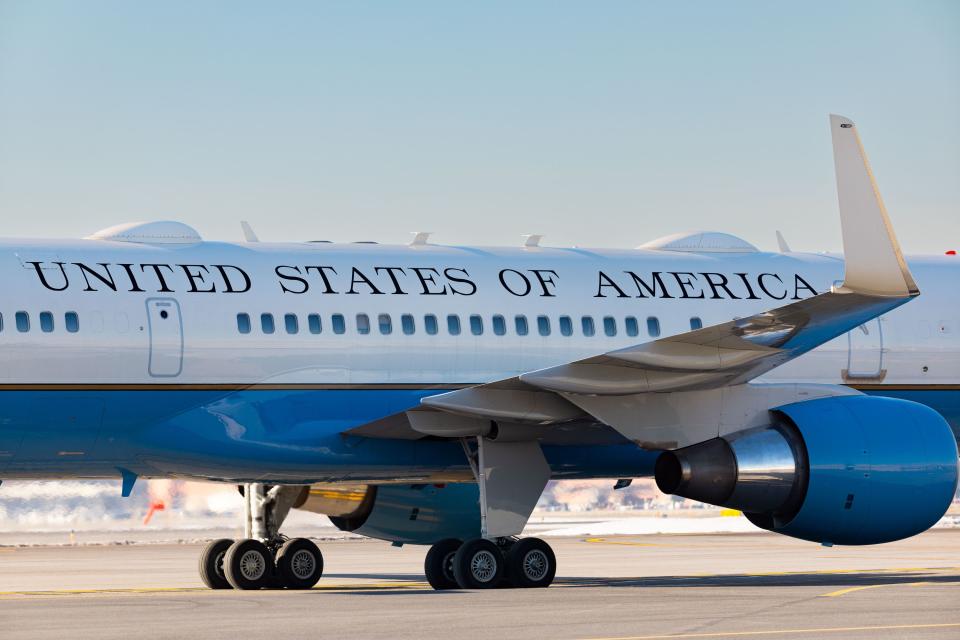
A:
(532, 240)
(782, 243)
(248, 233)
(420, 238)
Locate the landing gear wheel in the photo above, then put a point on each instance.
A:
(299, 563)
(438, 565)
(211, 564)
(531, 563)
(248, 564)
(478, 564)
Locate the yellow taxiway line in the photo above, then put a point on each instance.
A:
(359, 586)
(843, 592)
(786, 632)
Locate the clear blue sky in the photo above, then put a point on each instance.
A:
(596, 123)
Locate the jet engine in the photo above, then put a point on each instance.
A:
(414, 514)
(840, 470)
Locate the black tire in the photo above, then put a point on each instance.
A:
(299, 563)
(438, 565)
(211, 564)
(248, 564)
(478, 564)
(531, 563)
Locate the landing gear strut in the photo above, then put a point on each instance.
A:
(264, 558)
(510, 476)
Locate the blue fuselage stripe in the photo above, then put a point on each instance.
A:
(276, 433)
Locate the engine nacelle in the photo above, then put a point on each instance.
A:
(413, 514)
(838, 470)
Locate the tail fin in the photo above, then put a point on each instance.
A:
(874, 262)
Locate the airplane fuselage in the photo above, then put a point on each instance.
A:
(250, 361)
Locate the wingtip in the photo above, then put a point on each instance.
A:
(874, 260)
(837, 119)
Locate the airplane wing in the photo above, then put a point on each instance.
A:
(676, 391)
(609, 387)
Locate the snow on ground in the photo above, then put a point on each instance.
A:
(647, 525)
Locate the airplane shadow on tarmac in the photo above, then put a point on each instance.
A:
(827, 581)
(835, 580)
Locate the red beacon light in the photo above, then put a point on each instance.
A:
(952, 252)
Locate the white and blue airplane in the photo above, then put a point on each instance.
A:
(426, 394)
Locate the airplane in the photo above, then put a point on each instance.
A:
(425, 394)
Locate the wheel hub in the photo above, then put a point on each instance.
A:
(218, 564)
(448, 566)
(535, 565)
(483, 566)
(252, 565)
(303, 564)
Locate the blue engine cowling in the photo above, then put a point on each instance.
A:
(411, 514)
(843, 470)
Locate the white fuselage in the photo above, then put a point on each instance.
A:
(121, 339)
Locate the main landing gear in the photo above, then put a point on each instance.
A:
(485, 564)
(511, 476)
(263, 559)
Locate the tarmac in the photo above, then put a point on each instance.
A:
(616, 587)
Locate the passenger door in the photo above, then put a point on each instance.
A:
(865, 356)
(166, 337)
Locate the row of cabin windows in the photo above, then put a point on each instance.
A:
(21, 320)
(475, 324)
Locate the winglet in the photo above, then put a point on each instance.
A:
(874, 262)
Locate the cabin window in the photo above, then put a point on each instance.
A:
(430, 324)
(586, 323)
(72, 322)
(476, 325)
(386, 323)
(243, 322)
(23, 321)
(521, 325)
(696, 323)
(653, 327)
(339, 323)
(266, 323)
(499, 325)
(566, 326)
(631, 326)
(46, 321)
(363, 324)
(453, 324)
(543, 325)
(406, 322)
(1, 322)
(290, 323)
(313, 323)
(609, 326)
